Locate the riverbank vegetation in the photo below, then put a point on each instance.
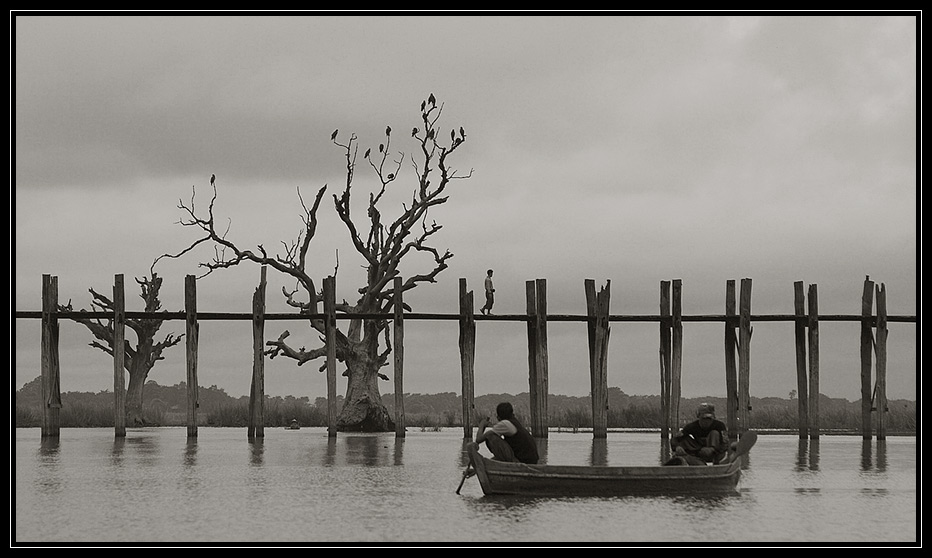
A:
(166, 406)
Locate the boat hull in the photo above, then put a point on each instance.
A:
(499, 477)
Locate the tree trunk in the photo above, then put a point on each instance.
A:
(363, 410)
(137, 380)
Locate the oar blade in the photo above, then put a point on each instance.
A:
(745, 443)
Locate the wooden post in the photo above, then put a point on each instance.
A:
(49, 370)
(191, 326)
(399, 340)
(665, 359)
(867, 340)
(597, 306)
(467, 344)
(256, 423)
(532, 345)
(744, 355)
(731, 366)
(537, 378)
(119, 357)
(676, 374)
(330, 302)
(880, 402)
(813, 362)
(802, 367)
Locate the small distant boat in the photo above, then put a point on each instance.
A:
(293, 426)
(500, 477)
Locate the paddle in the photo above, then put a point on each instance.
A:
(466, 475)
(745, 443)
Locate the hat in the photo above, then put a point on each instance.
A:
(706, 410)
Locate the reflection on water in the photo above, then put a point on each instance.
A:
(598, 457)
(867, 462)
(190, 453)
(308, 487)
(399, 451)
(256, 451)
(807, 455)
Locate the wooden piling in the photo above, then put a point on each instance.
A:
(813, 362)
(597, 306)
(467, 344)
(537, 380)
(880, 401)
(802, 367)
(731, 366)
(330, 335)
(399, 340)
(744, 356)
(119, 357)
(49, 366)
(867, 341)
(255, 427)
(191, 330)
(676, 372)
(665, 360)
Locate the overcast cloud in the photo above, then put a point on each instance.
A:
(625, 148)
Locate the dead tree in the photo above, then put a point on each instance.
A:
(362, 345)
(138, 360)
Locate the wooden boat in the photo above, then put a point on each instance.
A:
(500, 477)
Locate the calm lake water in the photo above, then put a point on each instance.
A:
(303, 488)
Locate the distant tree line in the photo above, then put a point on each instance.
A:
(166, 406)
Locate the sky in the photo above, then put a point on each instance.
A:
(618, 147)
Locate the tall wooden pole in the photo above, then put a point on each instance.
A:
(537, 377)
(532, 345)
(665, 360)
(880, 402)
(467, 344)
(119, 357)
(330, 336)
(191, 327)
(802, 364)
(399, 340)
(676, 376)
(744, 355)
(597, 306)
(256, 425)
(867, 341)
(731, 366)
(813, 362)
(50, 370)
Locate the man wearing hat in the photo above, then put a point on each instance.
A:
(704, 438)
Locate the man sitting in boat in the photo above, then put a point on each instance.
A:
(702, 441)
(507, 439)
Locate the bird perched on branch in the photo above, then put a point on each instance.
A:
(388, 130)
(432, 100)
(333, 136)
(212, 178)
(413, 132)
(367, 153)
(462, 133)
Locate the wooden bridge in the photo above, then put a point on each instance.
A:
(737, 321)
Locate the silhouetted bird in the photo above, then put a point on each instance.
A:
(388, 130)
(432, 100)
(462, 133)
(423, 104)
(333, 136)
(212, 178)
(367, 153)
(381, 147)
(391, 176)
(452, 135)
(413, 132)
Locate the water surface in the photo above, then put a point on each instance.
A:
(302, 487)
